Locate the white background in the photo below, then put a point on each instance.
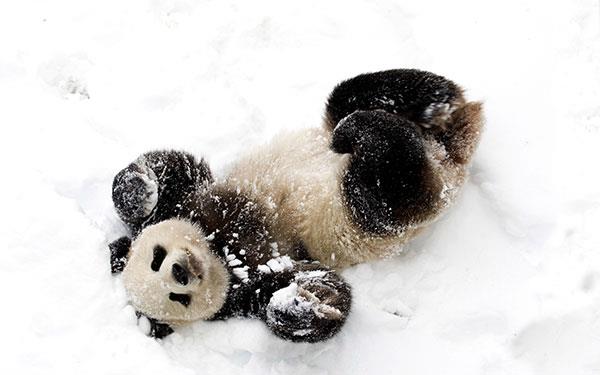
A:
(508, 282)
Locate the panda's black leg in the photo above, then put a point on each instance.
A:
(306, 302)
(389, 182)
(431, 101)
(422, 97)
(156, 185)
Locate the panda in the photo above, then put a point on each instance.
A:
(267, 239)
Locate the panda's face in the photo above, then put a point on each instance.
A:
(172, 276)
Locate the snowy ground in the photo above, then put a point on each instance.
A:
(508, 282)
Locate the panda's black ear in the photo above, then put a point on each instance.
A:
(118, 254)
(156, 329)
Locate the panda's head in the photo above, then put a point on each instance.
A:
(172, 276)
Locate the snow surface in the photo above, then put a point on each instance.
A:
(508, 282)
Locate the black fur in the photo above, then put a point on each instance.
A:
(407, 92)
(159, 330)
(184, 299)
(234, 221)
(389, 182)
(180, 274)
(178, 176)
(159, 255)
(118, 254)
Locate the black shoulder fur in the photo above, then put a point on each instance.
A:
(236, 226)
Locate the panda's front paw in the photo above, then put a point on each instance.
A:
(135, 191)
(312, 308)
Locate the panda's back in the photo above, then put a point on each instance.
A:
(297, 179)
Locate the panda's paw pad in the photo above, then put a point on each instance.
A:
(322, 290)
(135, 191)
(297, 306)
(147, 180)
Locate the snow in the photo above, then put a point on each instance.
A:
(508, 282)
(278, 264)
(307, 275)
(241, 272)
(284, 298)
(235, 262)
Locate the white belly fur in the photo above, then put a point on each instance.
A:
(297, 178)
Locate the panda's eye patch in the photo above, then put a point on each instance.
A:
(184, 299)
(160, 253)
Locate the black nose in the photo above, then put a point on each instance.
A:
(180, 274)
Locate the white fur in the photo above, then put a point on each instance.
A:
(298, 179)
(149, 290)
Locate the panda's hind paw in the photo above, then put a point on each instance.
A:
(424, 98)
